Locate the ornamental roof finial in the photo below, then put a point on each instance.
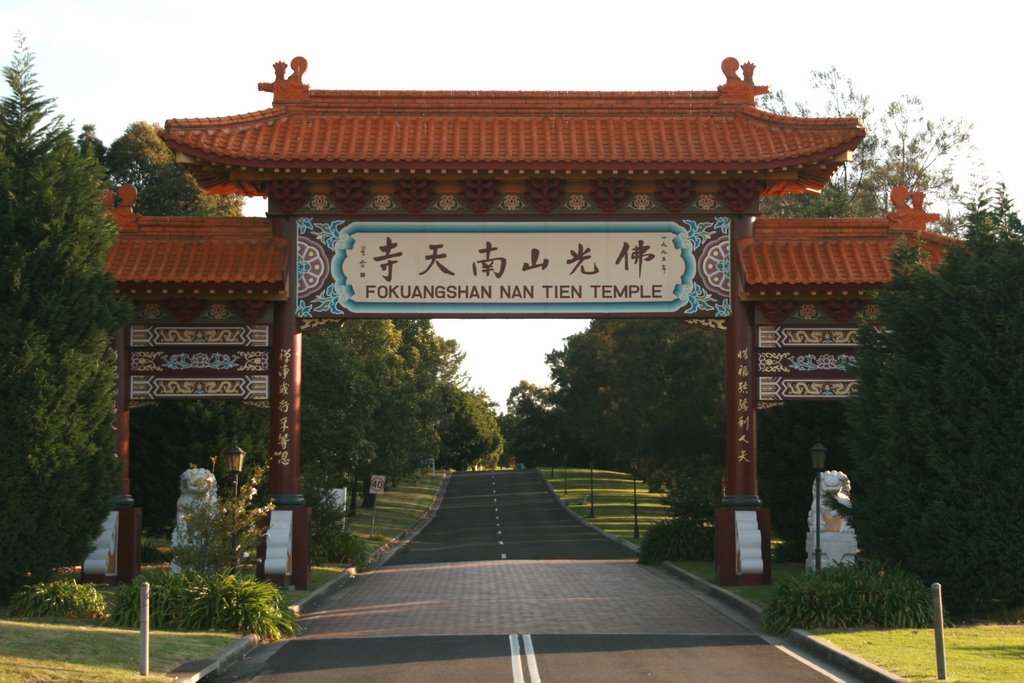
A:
(124, 211)
(909, 211)
(736, 90)
(290, 89)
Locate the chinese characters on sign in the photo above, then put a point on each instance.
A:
(743, 405)
(520, 268)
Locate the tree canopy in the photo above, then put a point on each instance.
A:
(937, 427)
(59, 314)
(651, 391)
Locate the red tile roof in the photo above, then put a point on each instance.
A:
(223, 254)
(561, 131)
(815, 252)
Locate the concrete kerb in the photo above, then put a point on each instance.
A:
(799, 638)
(610, 536)
(196, 670)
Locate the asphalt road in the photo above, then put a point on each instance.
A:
(504, 585)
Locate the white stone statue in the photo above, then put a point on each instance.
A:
(838, 538)
(198, 486)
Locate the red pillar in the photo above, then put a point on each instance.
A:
(741, 487)
(285, 412)
(129, 533)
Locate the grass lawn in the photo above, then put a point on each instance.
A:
(613, 499)
(398, 508)
(75, 651)
(986, 653)
(36, 650)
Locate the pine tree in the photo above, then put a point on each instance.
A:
(937, 427)
(58, 313)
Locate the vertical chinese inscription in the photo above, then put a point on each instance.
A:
(284, 407)
(743, 397)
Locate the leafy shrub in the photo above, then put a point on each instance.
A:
(677, 539)
(192, 602)
(65, 598)
(204, 543)
(860, 595)
(342, 546)
(330, 539)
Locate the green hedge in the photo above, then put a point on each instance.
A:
(677, 539)
(860, 595)
(191, 602)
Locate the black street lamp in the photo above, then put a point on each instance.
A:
(236, 458)
(818, 451)
(591, 489)
(636, 519)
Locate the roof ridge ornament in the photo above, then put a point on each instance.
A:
(121, 206)
(735, 90)
(909, 211)
(290, 89)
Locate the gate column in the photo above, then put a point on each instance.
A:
(285, 413)
(741, 486)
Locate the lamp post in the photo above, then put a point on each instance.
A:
(565, 475)
(636, 519)
(236, 458)
(818, 451)
(591, 489)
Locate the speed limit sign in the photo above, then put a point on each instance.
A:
(376, 483)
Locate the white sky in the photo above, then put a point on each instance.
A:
(113, 62)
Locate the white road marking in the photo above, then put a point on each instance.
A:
(517, 665)
(499, 533)
(501, 542)
(503, 556)
(495, 509)
(531, 659)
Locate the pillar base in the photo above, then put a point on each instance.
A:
(726, 559)
(301, 561)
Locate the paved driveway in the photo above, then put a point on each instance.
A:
(503, 585)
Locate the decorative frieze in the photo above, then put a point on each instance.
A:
(199, 335)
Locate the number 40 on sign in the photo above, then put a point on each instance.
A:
(376, 488)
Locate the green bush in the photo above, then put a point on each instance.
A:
(677, 539)
(65, 598)
(861, 595)
(192, 602)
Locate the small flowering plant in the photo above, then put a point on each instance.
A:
(222, 536)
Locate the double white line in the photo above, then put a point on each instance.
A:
(517, 658)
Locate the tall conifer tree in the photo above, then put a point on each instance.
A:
(58, 314)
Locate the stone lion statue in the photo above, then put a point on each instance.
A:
(835, 485)
(198, 486)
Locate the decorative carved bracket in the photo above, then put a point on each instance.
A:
(185, 310)
(776, 311)
(841, 310)
(609, 193)
(251, 310)
(741, 195)
(479, 193)
(350, 193)
(675, 193)
(289, 194)
(545, 193)
(414, 194)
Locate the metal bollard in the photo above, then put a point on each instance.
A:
(940, 636)
(144, 630)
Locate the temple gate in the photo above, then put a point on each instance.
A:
(504, 204)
